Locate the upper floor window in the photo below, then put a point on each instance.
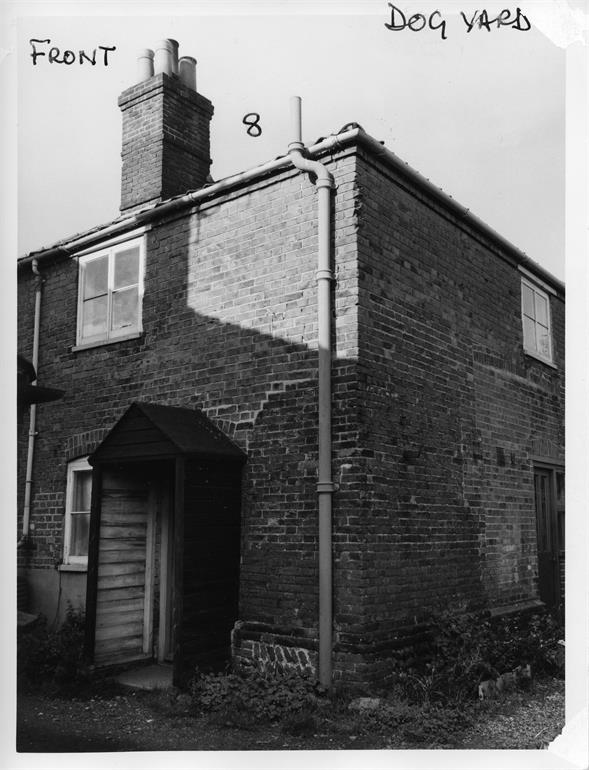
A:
(110, 292)
(536, 321)
(77, 512)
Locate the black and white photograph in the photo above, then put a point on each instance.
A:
(285, 464)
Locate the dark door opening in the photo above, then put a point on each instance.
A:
(550, 530)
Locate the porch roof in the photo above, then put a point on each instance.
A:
(152, 431)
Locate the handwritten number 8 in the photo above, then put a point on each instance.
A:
(254, 127)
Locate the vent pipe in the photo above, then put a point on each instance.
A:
(144, 65)
(187, 72)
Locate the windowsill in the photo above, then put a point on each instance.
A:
(531, 354)
(102, 343)
(73, 568)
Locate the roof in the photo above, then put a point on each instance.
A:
(151, 431)
(351, 134)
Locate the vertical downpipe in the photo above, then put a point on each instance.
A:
(324, 482)
(325, 488)
(33, 412)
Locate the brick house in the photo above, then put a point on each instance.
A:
(174, 489)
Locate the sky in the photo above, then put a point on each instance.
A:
(479, 113)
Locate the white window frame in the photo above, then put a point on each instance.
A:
(535, 352)
(81, 464)
(110, 251)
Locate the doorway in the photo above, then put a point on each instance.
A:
(135, 565)
(164, 544)
(162, 558)
(550, 532)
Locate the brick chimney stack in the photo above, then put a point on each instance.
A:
(166, 144)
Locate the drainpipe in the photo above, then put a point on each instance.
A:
(33, 412)
(325, 487)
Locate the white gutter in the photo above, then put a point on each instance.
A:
(325, 488)
(331, 143)
(33, 412)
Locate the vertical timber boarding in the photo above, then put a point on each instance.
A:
(125, 559)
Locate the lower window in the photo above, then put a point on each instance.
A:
(77, 512)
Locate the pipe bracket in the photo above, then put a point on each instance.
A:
(325, 273)
(325, 486)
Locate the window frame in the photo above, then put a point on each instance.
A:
(535, 352)
(110, 250)
(74, 467)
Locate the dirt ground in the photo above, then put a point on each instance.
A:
(110, 718)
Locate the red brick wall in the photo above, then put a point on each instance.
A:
(230, 326)
(166, 146)
(437, 413)
(452, 414)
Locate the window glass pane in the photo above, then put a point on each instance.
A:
(82, 490)
(529, 334)
(528, 296)
(94, 316)
(124, 308)
(541, 310)
(95, 277)
(80, 527)
(126, 267)
(543, 340)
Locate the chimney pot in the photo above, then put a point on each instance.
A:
(174, 44)
(144, 65)
(187, 72)
(164, 55)
(166, 131)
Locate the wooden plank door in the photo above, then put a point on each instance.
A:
(125, 556)
(546, 536)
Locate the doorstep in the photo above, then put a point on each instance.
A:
(154, 677)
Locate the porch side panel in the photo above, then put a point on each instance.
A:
(121, 590)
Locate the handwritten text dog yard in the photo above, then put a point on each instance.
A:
(417, 22)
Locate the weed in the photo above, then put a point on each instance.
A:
(53, 657)
(240, 698)
(466, 649)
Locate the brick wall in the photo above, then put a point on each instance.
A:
(452, 414)
(229, 318)
(166, 145)
(437, 413)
